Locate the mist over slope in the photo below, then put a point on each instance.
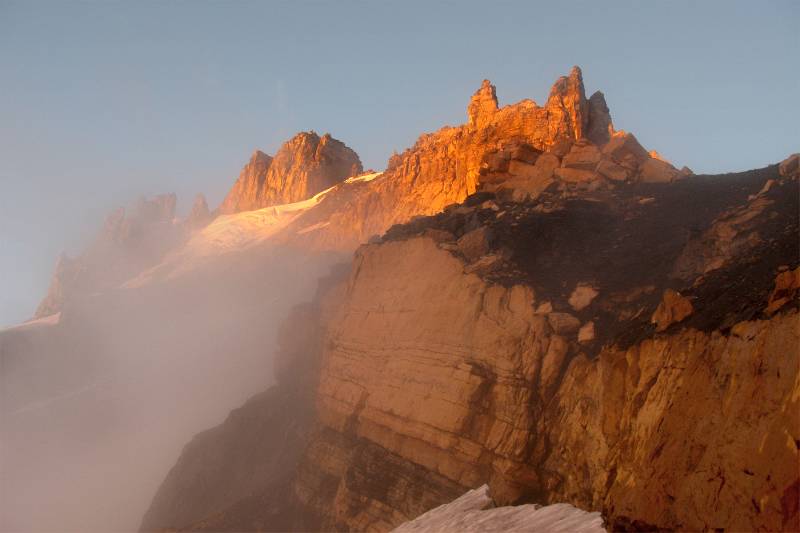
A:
(150, 335)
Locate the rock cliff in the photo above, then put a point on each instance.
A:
(535, 365)
(553, 348)
(305, 165)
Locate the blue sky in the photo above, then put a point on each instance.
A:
(102, 102)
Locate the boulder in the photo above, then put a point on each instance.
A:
(582, 296)
(626, 150)
(672, 309)
(563, 323)
(789, 166)
(525, 153)
(583, 157)
(528, 181)
(439, 235)
(787, 284)
(475, 244)
(657, 171)
(575, 175)
(609, 169)
(586, 333)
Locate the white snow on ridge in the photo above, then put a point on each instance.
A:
(364, 177)
(474, 512)
(241, 230)
(237, 232)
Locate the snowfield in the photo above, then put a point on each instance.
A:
(474, 512)
(364, 177)
(238, 232)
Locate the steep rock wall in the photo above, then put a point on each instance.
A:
(462, 382)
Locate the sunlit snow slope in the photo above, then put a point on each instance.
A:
(238, 232)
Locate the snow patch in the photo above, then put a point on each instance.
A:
(237, 232)
(364, 177)
(475, 512)
(228, 233)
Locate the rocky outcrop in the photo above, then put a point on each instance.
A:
(65, 277)
(128, 242)
(600, 126)
(672, 309)
(568, 145)
(444, 167)
(305, 165)
(482, 106)
(199, 216)
(567, 108)
(790, 167)
(246, 192)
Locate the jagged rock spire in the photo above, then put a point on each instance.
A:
(199, 216)
(600, 128)
(482, 105)
(567, 106)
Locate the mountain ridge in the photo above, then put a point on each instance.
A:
(504, 288)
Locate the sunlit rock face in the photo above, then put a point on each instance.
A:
(442, 168)
(499, 148)
(305, 165)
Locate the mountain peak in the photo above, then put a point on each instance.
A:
(258, 155)
(303, 166)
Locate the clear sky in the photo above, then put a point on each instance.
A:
(102, 102)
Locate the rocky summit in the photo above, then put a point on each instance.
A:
(526, 318)
(305, 165)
